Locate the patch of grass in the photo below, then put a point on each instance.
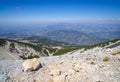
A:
(103, 44)
(64, 50)
(45, 52)
(106, 59)
(29, 57)
(51, 50)
(36, 47)
(71, 48)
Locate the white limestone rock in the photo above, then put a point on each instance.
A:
(60, 78)
(31, 64)
(55, 73)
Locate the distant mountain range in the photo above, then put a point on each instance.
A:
(74, 33)
(74, 37)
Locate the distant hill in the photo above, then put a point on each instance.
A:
(75, 33)
(46, 41)
(75, 37)
(107, 35)
(13, 49)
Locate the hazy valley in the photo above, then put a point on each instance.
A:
(80, 34)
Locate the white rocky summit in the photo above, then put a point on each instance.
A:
(93, 65)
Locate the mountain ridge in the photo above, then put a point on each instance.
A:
(98, 64)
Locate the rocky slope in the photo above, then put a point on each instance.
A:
(16, 50)
(11, 49)
(100, 64)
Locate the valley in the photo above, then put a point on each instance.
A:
(73, 33)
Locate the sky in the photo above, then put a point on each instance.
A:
(12, 11)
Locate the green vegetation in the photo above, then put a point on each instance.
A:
(45, 52)
(12, 45)
(36, 47)
(71, 48)
(51, 50)
(65, 50)
(2, 42)
(65, 46)
(29, 57)
(106, 59)
(101, 44)
(46, 41)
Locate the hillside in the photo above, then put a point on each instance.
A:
(12, 49)
(31, 47)
(45, 41)
(98, 64)
(75, 37)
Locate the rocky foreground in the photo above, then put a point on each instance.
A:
(94, 65)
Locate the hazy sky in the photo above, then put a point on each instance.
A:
(59, 10)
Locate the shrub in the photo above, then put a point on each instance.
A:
(106, 59)
(64, 50)
(51, 50)
(2, 42)
(12, 45)
(45, 52)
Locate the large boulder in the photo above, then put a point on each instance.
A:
(31, 64)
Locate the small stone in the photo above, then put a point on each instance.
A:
(92, 63)
(76, 68)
